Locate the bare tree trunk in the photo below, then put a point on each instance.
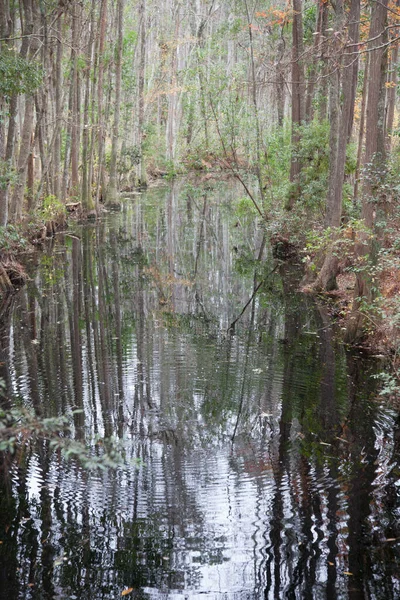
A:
(75, 129)
(391, 95)
(31, 177)
(58, 113)
(142, 61)
(297, 100)
(25, 149)
(87, 199)
(100, 108)
(340, 125)
(362, 127)
(323, 87)
(280, 82)
(3, 167)
(309, 108)
(173, 97)
(8, 153)
(374, 161)
(112, 188)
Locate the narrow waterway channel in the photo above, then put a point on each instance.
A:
(258, 464)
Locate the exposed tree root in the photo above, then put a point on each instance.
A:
(12, 274)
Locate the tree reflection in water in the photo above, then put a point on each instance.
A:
(257, 463)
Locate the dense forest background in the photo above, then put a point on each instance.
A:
(295, 100)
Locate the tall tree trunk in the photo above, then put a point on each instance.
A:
(58, 112)
(374, 161)
(142, 61)
(391, 95)
(280, 81)
(297, 100)
(323, 86)
(75, 118)
(361, 128)
(87, 199)
(312, 74)
(100, 107)
(172, 120)
(27, 27)
(25, 149)
(112, 188)
(340, 129)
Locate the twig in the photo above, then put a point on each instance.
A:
(231, 327)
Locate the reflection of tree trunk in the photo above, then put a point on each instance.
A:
(31, 354)
(143, 377)
(200, 237)
(89, 303)
(280, 463)
(102, 354)
(48, 549)
(250, 335)
(328, 414)
(7, 304)
(364, 455)
(10, 557)
(328, 419)
(118, 335)
(76, 338)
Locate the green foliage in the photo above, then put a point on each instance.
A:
(309, 19)
(18, 75)
(390, 384)
(12, 239)
(129, 157)
(20, 426)
(7, 173)
(52, 209)
(313, 154)
(338, 240)
(244, 207)
(276, 162)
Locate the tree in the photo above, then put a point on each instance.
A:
(342, 96)
(112, 188)
(374, 165)
(298, 99)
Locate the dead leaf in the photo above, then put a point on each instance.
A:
(347, 573)
(127, 591)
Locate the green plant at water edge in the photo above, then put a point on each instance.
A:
(11, 239)
(390, 384)
(52, 209)
(20, 427)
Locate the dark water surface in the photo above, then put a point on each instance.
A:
(258, 464)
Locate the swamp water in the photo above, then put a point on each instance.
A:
(257, 463)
